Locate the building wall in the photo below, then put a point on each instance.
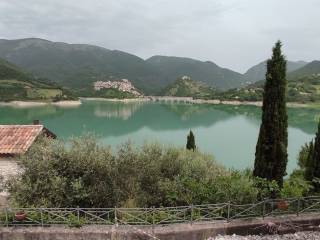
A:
(8, 167)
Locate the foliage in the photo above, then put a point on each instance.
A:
(249, 93)
(295, 186)
(309, 163)
(304, 154)
(267, 189)
(15, 84)
(54, 176)
(191, 142)
(104, 93)
(75, 221)
(305, 89)
(85, 174)
(316, 160)
(271, 151)
(186, 87)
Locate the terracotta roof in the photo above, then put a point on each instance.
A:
(15, 139)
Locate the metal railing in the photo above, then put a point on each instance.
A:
(157, 216)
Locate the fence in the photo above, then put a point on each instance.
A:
(157, 216)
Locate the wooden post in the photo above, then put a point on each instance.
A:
(115, 216)
(78, 214)
(228, 212)
(153, 220)
(41, 214)
(264, 208)
(191, 217)
(7, 219)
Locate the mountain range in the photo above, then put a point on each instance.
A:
(78, 66)
(258, 71)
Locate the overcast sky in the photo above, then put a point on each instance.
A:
(232, 33)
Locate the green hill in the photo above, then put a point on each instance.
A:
(79, 65)
(16, 84)
(300, 89)
(186, 87)
(207, 72)
(257, 72)
(309, 70)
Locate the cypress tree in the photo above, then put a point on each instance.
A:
(309, 165)
(316, 160)
(271, 155)
(191, 142)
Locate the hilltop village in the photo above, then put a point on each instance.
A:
(123, 85)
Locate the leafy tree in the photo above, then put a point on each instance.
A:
(271, 151)
(304, 155)
(316, 160)
(295, 186)
(191, 143)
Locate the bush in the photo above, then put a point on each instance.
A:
(295, 186)
(85, 174)
(56, 176)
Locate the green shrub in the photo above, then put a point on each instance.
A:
(85, 174)
(295, 186)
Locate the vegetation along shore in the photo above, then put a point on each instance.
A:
(199, 101)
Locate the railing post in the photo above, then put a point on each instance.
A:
(115, 216)
(228, 219)
(153, 219)
(264, 208)
(41, 214)
(7, 219)
(191, 217)
(298, 209)
(78, 213)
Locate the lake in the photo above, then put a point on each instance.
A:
(228, 132)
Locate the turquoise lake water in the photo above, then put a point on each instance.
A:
(227, 132)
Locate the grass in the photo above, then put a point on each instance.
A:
(14, 82)
(14, 89)
(317, 87)
(43, 93)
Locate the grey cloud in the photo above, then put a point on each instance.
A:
(233, 33)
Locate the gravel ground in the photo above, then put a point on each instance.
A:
(298, 236)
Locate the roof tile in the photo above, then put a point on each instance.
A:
(15, 139)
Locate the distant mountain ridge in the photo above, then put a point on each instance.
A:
(207, 72)
(73, 65)
(312, 68)
(79, 65)
(257, 72)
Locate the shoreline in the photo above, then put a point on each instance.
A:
(23, 104)
(197, 101)
(76, 103)
(125, 100)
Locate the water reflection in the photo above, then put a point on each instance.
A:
(123, 118)
(228, 132)
(122, 111)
